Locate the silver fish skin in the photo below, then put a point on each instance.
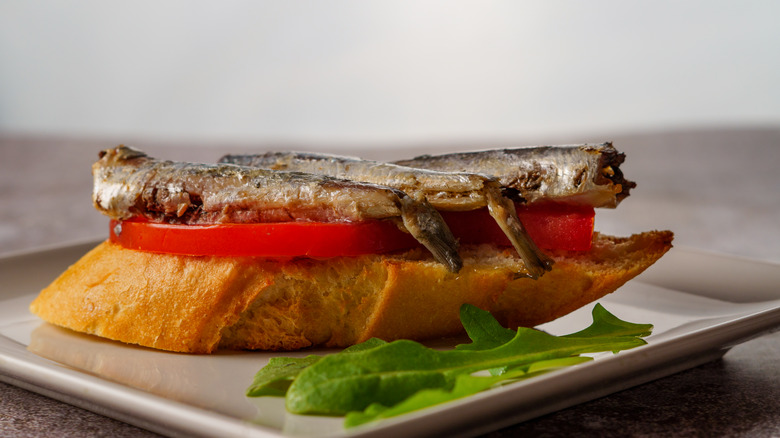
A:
(587, 174)
(449, 191)
(129, 183)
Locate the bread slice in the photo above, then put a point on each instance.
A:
(199, 304)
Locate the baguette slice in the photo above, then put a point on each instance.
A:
(199, 304)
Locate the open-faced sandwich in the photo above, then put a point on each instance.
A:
(282, 251)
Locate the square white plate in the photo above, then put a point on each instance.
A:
(701, 304)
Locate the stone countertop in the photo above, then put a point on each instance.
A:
(719, 190)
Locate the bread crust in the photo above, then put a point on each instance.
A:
(199, 304)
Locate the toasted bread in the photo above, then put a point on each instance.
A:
(200, 304)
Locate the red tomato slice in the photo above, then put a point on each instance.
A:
(282, 239)
(550, 226)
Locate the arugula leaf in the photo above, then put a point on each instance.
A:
(465, 385)
(485, 332)
(275, 378)
(607, 324)
(363, 346)
(377, 379)
(389, 373)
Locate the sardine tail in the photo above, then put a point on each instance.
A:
(503, 211)
(427, 226)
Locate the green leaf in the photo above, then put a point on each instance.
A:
(275, 378)
(365, 345)
(376, 379)
(483, 329)
(465, 385)
(348, 382)
(390, 373)
(607, 324)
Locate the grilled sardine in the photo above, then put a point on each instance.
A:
(129, 183)
(578, 174)
(450, 191)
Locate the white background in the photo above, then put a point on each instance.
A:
(365, 71)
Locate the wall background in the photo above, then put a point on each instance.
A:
(360, 73)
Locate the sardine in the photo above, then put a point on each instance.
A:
(577, 174)
(129, 183)
(449, 191)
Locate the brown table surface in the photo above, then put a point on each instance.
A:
(718, 189)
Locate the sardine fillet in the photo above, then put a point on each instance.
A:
(129, 183)
(448, 191)
(451, 191)
(578, 174)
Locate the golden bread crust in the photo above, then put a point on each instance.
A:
(579, 278)
(198, 304)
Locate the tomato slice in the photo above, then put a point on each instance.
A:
(282, 239)
(550, 226)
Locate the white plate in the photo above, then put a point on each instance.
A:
(700, 303)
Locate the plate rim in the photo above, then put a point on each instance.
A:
(22, 368)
